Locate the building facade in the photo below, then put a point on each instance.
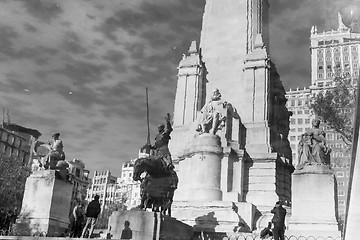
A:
(15, 144)
(79, 176)
(102, 184)
(331, 51)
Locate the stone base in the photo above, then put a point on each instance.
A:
(313, 208)
(267, 179)
(46, 204)
(147, 225)
(215, 216)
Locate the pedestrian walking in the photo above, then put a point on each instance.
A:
(278, 221)
(92, 212)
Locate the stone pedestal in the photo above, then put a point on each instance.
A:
(200, 172)
(313, 202)
(147, 225)
(215, 216)
(46, 204)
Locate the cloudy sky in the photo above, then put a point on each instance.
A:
(81, 67)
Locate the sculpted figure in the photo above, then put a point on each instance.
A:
(213, 114)
(56, 152)
(162, 142)
(312, 146)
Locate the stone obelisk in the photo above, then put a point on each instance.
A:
(248, 162)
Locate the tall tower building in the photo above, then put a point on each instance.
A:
(333, 49)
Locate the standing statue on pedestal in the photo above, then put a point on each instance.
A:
(312, 147)
(213, 114)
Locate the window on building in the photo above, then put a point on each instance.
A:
(341, 183)
(328, 59)
(320, 51)
(329, 74)
(292, 121)
(292, 130)
(321, 68)
(300, 121)
(292, 103)
(355, 65)
(342, 203)
(337, 59)
(346, 58)
(300, 130)
(307, 111)
(345, 49)
(341, 193)
(338, 136)
(340, 174)
(328, 67)
(307, 120)
(292, 138)
(320, 84)
(355, 57)
(299, 112)
(299, 137)
(299, 102)
(353, 49)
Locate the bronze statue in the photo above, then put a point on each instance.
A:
(213, 114)
(161, 142)
(312, 147)
(158, 186)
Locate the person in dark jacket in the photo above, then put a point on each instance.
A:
(279, 221)
(92, 212)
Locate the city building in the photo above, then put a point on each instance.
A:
(79, 176)
(331, 51)
(102, 184)
(16, 141)
(129, 188)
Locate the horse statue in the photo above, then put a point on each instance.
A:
(158, 186)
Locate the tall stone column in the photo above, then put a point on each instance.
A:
(200, 173)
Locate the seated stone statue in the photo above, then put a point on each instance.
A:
(56, 152)
(213, 114)
(312, 147)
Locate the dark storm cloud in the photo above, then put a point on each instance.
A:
(125, 19)
(43, 10)
(114, 56)
(150, 14)
(7, 36)
(33, 119)
(84, 97)
(81, 72)
(136, 50)
(73, 44)
(30, 28)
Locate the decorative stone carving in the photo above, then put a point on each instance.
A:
(213, 115)
(312, 147)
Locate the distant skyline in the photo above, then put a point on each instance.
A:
(81, 67)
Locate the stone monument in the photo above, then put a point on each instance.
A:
(47, 197)
(238, 155)
(313, 208)
(46, 204)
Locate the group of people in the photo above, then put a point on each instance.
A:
(7, 219)
(82, 222)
